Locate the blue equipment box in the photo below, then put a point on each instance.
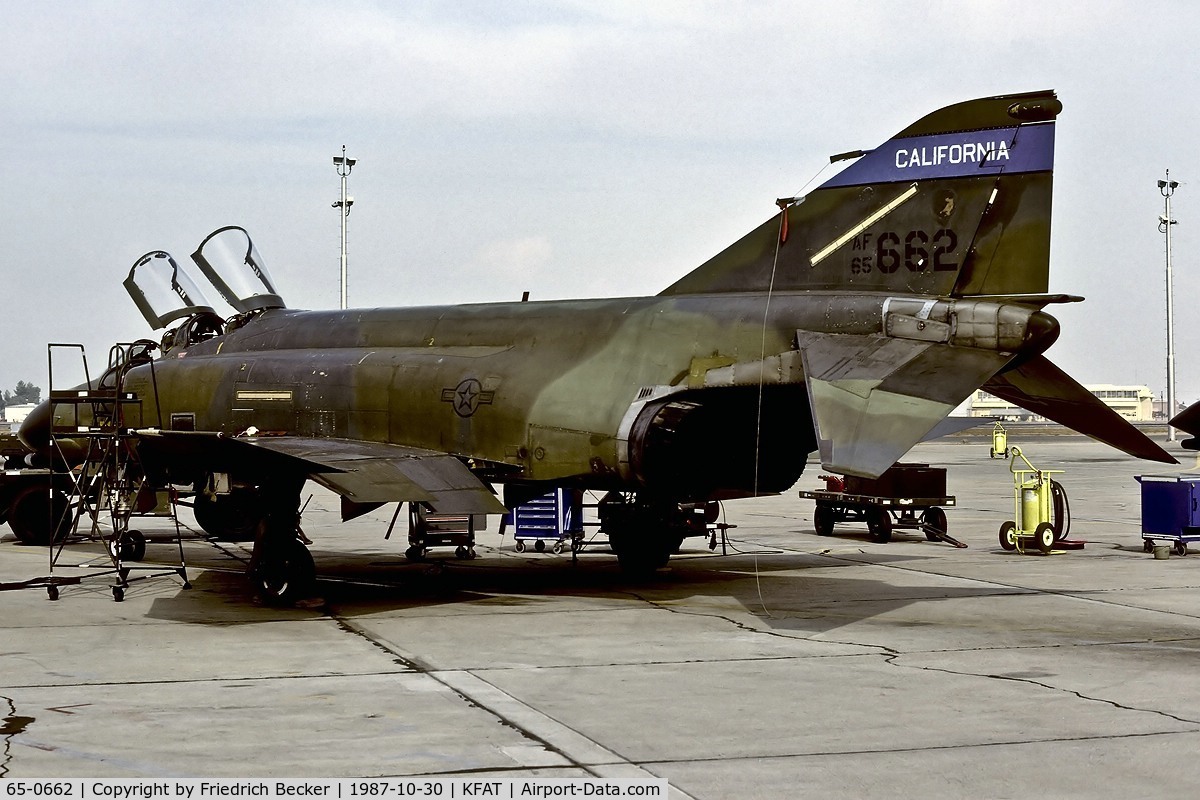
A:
(551, 516)
(1170, 504)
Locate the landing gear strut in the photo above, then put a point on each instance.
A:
(281, 567)
(645, 531)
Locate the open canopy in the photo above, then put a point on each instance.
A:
(228, 259)
(162, 291)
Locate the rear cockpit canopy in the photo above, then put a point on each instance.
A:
(228, 259)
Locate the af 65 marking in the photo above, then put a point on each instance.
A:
(914, 249)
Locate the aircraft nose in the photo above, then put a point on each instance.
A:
(34, 432)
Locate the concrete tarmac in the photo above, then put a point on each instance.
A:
(794, 665)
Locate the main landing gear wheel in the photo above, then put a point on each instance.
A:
(879, 523)
(643, 531)
(285, 573)
(640, 556)
(1008, 535)
(1044, 536)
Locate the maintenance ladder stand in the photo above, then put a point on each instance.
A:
(110, 480)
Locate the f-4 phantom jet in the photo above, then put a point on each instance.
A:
(852, 323)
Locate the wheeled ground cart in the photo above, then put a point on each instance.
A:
(555, 520)
(427, 529)
(906, 496)
(1041, 516)
(1170, 510)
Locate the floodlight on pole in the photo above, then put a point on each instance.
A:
(1167, 188)
(344, 166)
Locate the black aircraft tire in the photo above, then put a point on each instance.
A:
(130, 547)
(640, 556)
(30, 513)
(137, 546)
(642, 562)
(285, 573)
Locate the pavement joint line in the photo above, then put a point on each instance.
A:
(572, 744)
(762, 757)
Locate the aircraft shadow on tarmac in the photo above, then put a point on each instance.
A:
(786, 591)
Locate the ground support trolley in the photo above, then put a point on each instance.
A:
(427, 529)
(1170, 511)
(907, 496)
(551, 521)
(1041, 514)
(882, 514)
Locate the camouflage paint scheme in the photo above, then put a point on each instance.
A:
(852, 323)
(564, 392)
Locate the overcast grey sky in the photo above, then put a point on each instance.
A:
(569, 148)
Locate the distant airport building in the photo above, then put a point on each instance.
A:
(1135, 403)
(15, 413)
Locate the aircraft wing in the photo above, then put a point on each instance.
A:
(1188, 421)
(952, 425)
(362, 472)
(372, 472)
(1039, 386)
(874, 397)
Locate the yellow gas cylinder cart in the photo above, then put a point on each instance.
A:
(1036, 495)
(999, 441)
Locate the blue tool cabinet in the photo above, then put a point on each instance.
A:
(553, 517)
(1170, 510)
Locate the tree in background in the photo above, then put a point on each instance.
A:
(22, 393)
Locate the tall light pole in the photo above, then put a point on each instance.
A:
(1167, 188)
(344, 167)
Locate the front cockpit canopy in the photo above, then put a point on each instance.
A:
(162, 291)
(228, 259)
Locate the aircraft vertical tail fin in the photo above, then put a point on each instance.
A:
(958, 203)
